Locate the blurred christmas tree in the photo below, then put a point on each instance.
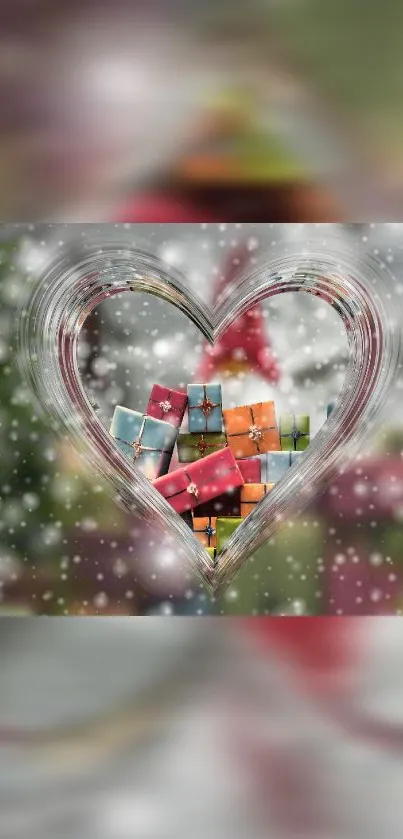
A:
(46, 498)
(29, 525)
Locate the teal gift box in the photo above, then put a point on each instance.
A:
(274, 465)
(205, 408)
(146, 442)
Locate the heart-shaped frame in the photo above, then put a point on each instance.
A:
(86, 274)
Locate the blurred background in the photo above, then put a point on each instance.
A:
(170, 111)
(174, 111)
(67, 549)
(152, 728)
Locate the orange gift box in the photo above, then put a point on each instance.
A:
(252, 429)
(251, 494)
(204, 528)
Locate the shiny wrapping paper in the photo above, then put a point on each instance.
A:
(193, 447)
(251, 469)
(167, 405)
(204, 528)
(146, 442)
(294, 432)
(252, 429)
(251, 494)
(198, 482)
(205, 407)
(225, 528)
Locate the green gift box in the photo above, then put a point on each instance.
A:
(294, 432)
(211, 552)
(193, 447)
(225, 527)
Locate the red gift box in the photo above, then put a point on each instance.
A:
(250, 469)
(168, 405)
(200, 481)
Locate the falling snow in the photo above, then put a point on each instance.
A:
(65, 547)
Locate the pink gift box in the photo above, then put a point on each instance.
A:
(250, 469)
(201, 480)
(168, 405)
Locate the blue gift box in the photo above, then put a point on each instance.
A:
(205, 408)
(147, 443)
(274, 465)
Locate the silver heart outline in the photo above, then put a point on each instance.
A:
(86, 274)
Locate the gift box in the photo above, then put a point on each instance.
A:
(146, 442)
(205, 408)
(251, 494)
(294, 432)
(225, 528)
(274, 465)
(228, 504)
(204, 529)
(193, 447)
(196, 483)
(250, 469)
(252, 429)
(168, 405)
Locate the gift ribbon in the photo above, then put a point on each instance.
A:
(138, 447)
(202, 445)
(206, 406)
(249, 431)
(195, 492)
(209, 530)
(163, 404)
(253, 503)
(296, 434)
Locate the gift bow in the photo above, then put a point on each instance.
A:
(296, 434)
(206, 405)
(255, 432)
(166, 405)
(193, 488)
(202, 445)
(209, 530)
(138, 447)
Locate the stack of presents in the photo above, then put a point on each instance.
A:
(229, 459)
